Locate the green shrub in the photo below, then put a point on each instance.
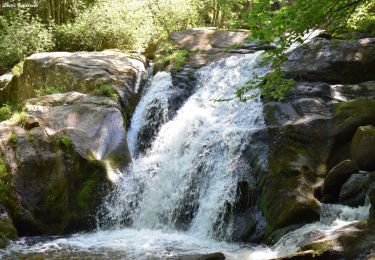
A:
(6, 112)
(177, 58)
(18, 68)
(63, 141)
(13, 138)
(48, 91)
(3, 168)
(110, 24)
(21, 36)
(19, 118)
(106, 90)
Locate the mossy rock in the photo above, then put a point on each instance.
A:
(363, 147)
(296, 165)
(348, 116)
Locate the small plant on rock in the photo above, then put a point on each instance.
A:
(13, 138)
(63, 141)
(106, 90)
(6, 112)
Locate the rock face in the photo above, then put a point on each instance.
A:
(312, 129)
(95, 124)
(336, 178)
(54, 179)
(333, 61)
(85, 72)
(354, 191)
(363, 147)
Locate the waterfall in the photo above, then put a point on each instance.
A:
(187, 179)
(156, 93)
(175, 198)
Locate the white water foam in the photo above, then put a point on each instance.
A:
(186, 179)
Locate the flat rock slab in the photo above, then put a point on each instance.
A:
(206, 39)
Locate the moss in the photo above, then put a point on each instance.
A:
(63, 141)
(234, 47)
(13, 138)
(107, 90)
(287, 189)
(320, 247)
(348, 116)
(19, 118)
(87, 195)
(174, 58)
(48, 91)
(18, 69)
(7, 231)
(6, 112)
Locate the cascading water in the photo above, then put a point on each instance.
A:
(186, 179)
(174, 198)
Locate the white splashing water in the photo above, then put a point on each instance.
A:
(158, 90)
(187, 176)
(333, 218)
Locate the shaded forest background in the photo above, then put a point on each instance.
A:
(29, 26)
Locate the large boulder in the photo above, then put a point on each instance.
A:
(332, 61)
(94, 124)
(85, 72)
(363, 147)
(55, 158)
(336, 177)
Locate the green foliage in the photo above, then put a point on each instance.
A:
(6, 112)
(3, 168)
(19, 118)
(291, 21)
(125, 25)
(106, 90)
(274, 86)
(167, 18)
(20, 36)
(86, 193)
(13, 138)
(176, 58)
(18, 68)
(48, 91)
(64, 141)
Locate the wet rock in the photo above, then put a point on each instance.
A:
(7, 229)
(363, 147)
(336, 177)
(353, 192)
(332, 61)
(84, 72)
